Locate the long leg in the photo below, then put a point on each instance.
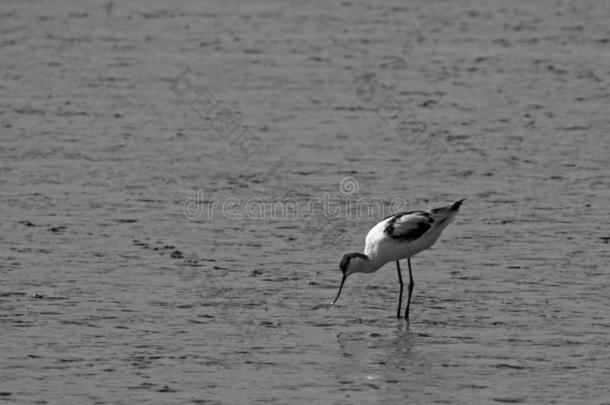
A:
(411, 285)
(400, 294)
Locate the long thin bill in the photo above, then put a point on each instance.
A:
(340, 288)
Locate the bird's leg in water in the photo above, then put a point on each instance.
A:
(411, 284)
(400, 294)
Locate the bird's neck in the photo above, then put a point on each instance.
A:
(371, 264)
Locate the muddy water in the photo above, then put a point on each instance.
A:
(115, 116)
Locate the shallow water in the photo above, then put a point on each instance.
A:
(112, 293)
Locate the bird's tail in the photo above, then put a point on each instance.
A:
(447, 213)
(456, 205)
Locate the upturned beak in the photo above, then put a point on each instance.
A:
(340, 288)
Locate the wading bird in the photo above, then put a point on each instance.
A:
(399, 236)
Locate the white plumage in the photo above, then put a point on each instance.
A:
(399, 236)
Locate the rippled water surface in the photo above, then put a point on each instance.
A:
(116, 118)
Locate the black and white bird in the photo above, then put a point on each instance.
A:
(399, 236)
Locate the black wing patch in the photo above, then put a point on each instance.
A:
(408, 226)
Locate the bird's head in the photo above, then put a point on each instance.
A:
(350, 263)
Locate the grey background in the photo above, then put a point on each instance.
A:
(109, 293)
